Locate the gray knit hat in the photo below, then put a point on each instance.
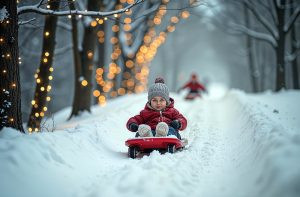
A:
(159, 88)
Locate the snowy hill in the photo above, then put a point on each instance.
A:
(240, 145)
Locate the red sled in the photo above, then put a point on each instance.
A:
(192, 96)
(148, 144)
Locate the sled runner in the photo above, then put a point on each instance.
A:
(147, 144)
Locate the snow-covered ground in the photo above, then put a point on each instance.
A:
(240, 145)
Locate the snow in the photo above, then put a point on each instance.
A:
(239, 145)
(3, 14)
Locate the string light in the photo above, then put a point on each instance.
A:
(100, 21)
(84, 83)
(152, 41)
(42, 86)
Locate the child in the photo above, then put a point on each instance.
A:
(194, 86)
(159, 118)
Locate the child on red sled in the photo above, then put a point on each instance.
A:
(159, 118)
(194, 86)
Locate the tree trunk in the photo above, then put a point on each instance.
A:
(44, 72)
(101, 59)
(77, 65)
(10, 96)
(294, 49)
(263, 63)
(128, 74)
(249, 48)
(280, 49)
(114, 61)
(87, 57)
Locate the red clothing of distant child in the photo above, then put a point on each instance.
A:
(152, 117)
(194, 85)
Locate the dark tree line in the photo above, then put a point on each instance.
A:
(10, 80)
(266, 24)
(134, 19)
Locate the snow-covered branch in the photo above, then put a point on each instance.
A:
(25, 22)
(292, 56)
(257, 35)
(292, 20)
(139, 26)
(3, 14)
(147, 11)
(261, 18)
(268, 8)
(136, 43)
(64, 26)
(39, 10)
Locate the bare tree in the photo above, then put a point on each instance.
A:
(249, 47)
(276, 30)
(12, 117)
(10, 96)
(43, 76)
(77, 63)
(295, 51)
(84, 99)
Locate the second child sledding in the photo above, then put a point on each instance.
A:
(157, 126)
(194, 86)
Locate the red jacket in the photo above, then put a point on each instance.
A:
(194, 86)
(152, 117)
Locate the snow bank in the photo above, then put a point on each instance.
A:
(269, 145)
(239, 145)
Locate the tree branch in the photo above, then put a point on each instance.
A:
(292, 56)
(25, 22)
(38, 10)
(291, 20)
(254, 34)
(261, 19)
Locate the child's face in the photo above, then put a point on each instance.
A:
(158, 103)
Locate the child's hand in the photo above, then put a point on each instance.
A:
(175, 124)
(133, 127)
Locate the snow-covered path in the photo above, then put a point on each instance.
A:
(235, 149)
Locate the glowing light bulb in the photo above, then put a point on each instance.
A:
(84, 83)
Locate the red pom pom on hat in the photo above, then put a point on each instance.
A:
(159, 80)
